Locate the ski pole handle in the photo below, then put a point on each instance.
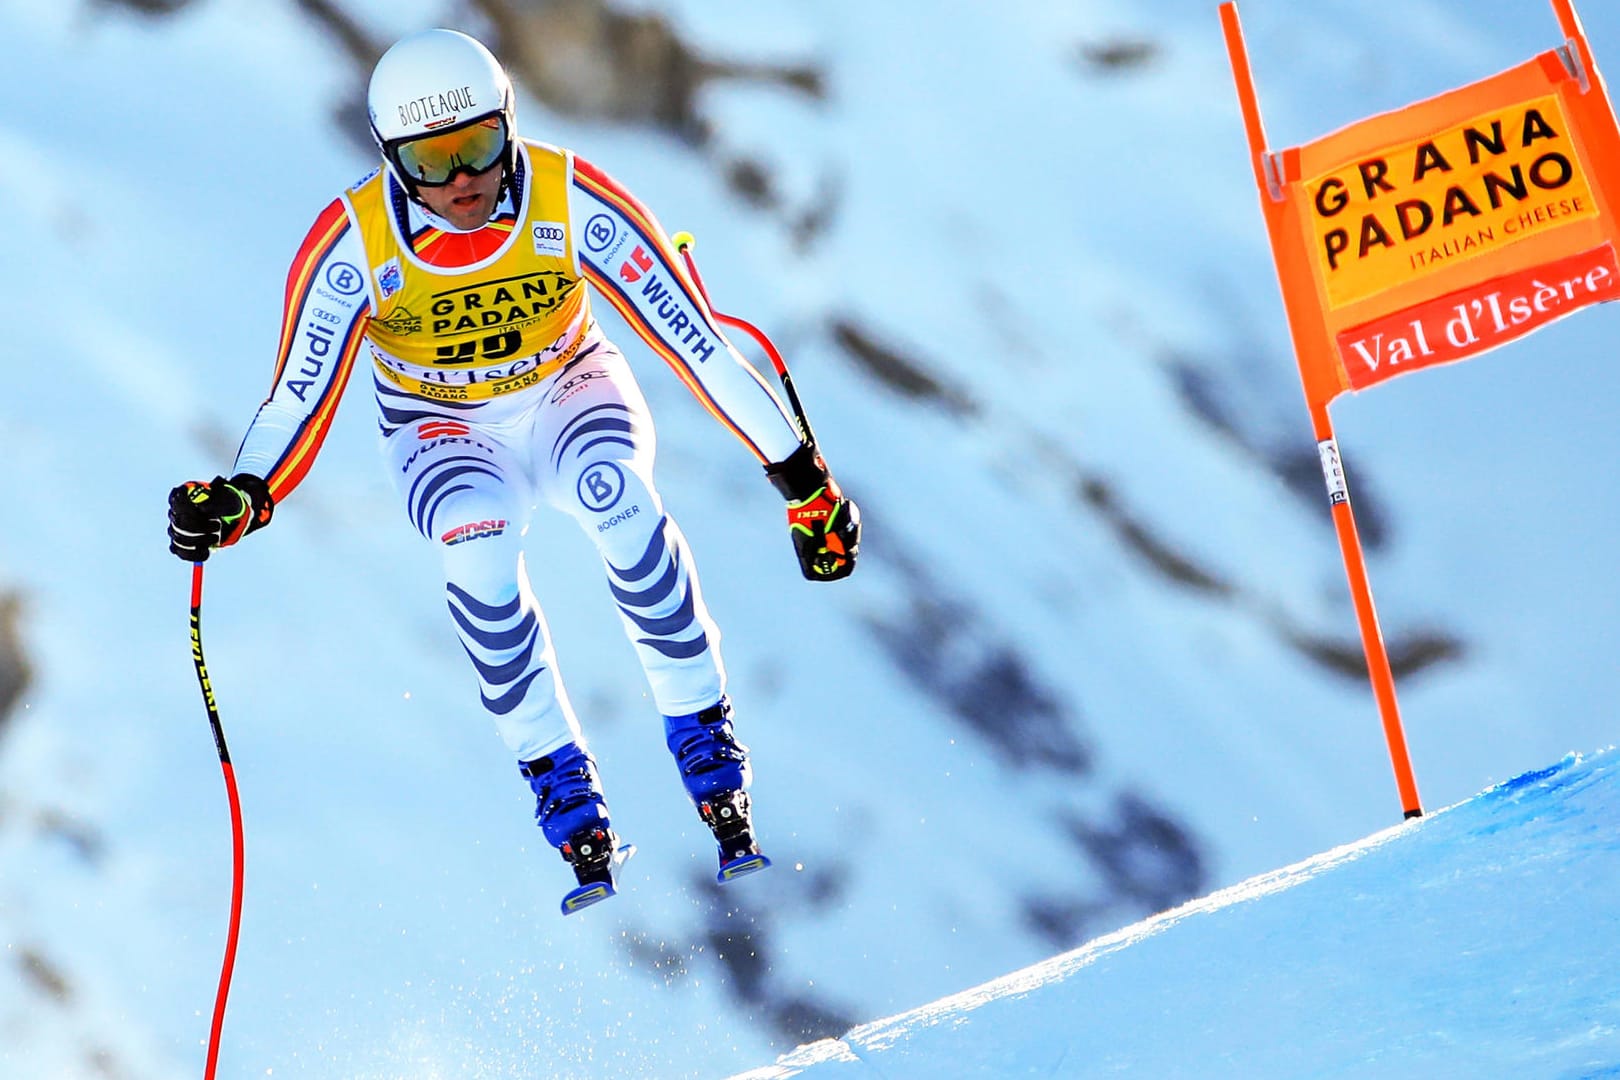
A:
(201, 664)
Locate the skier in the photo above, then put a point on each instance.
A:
(458, 269)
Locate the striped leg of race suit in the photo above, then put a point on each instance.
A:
(594, 452)
(466, 490)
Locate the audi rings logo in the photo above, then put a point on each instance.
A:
(600, 486)
(550, 238)
(344, 278)
(600, 232)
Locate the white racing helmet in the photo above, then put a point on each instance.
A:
(440, 103)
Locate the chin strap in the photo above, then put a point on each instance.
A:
(512, 177)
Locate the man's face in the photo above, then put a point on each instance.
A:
(467, 201)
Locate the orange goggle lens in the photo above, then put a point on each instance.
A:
(434, 159)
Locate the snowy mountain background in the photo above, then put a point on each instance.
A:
(1099, 658)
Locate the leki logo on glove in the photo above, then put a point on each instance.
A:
(815, 510)
(473, 530)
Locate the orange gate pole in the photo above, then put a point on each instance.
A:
(1372, 638)
(1303, 317)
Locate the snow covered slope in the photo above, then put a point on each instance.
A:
(1479, 942)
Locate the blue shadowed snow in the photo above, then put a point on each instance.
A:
(1480, 941)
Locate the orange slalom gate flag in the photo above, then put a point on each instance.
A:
(1428, 235)
(1436, 232)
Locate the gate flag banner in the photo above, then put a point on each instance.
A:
(1438, 231)
(1431, 234)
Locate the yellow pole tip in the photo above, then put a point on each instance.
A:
(683, 239)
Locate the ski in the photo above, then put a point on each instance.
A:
(742, 866)
(594, 892)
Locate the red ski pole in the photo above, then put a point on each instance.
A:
(684, 243)
(236, 820)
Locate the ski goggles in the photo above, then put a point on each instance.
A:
(431, 160)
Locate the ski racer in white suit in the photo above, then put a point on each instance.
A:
(457, 271)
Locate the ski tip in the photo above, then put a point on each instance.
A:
(586, 895)
(741, 867)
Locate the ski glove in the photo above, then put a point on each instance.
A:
(216, 514)
(824, 523)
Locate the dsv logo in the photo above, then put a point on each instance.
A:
(600, 486)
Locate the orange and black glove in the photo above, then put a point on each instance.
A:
(824, 523)
(216, 514)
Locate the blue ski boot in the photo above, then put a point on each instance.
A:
(714, 768)
(571, 813)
